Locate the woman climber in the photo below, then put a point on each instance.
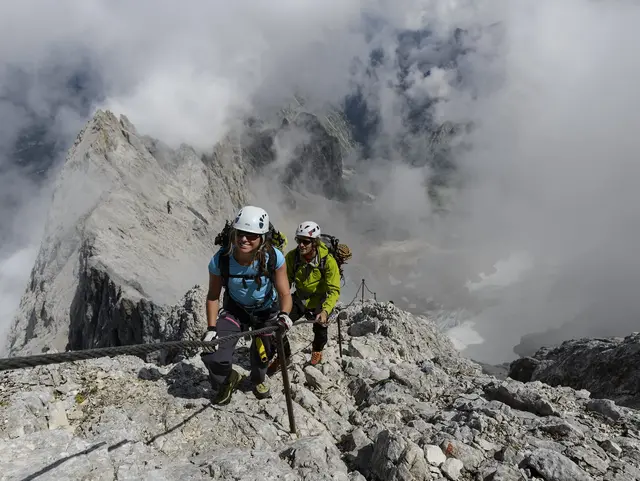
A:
(257, 294)
(316, 276)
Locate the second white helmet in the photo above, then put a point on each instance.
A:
(308, 229)
(252, 219)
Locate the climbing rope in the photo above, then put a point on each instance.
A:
(364, 285)
(138, 349)
(361, 290)
(132, 349)
(21, 362)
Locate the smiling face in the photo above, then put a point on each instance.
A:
(247, 242)
(305, 245)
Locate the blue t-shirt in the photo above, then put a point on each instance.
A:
(250, 296)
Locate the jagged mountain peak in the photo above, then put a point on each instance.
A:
(131, 228)
(110, 239)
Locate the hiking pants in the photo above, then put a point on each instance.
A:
(320, 336)
(320, 333)
(232, 319)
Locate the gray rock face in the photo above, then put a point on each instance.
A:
(131, 229)
(434, 416)
(311, 147)
(114, 264)
(318, 160)
(607, 368)
(553, 466)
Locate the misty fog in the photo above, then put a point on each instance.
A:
(537, 225)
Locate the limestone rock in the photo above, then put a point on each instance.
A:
(604, 367)
(114, 264)
(506, 473)
(398, 459)
(520, 397)
(606, 407)
(452, 468)
(316, 458)
(553, 466)
(434, 455)
(316, 379)
(418, 413)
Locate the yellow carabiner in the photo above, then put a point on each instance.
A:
(261, 350)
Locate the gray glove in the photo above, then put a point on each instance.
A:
(210, 334)
(285, 321)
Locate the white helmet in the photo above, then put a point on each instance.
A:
(308, 229)
(252, 219)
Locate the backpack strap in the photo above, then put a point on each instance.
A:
(297, 262)
(271, 265)
(271, 273)
(323, 263)
(223, 264)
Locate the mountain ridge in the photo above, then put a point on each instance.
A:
(131, 228)
(399, 404)
(117, 266)
(108, 216)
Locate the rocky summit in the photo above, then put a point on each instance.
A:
(607, 367)
(401, 404)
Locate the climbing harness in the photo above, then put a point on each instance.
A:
(262, 352)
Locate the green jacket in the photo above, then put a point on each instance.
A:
(315, 289)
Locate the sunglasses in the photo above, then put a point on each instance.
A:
(249, 235)
(302, 240)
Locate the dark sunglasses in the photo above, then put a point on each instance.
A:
(302, 240)
(249, 235)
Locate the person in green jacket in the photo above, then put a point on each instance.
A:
(316, 277)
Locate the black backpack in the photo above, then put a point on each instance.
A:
(340, 252)
(223, 239)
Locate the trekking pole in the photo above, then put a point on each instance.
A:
(285, 381)
(339, 337)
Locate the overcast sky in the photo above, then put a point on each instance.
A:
(550, 89)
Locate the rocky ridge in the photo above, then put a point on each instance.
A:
(115, 261)
(402, 405)
(607, 367)
(130, 230)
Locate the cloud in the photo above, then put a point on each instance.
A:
(14, 275)
(553, 151)
(543, 96)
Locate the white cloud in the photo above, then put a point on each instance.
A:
(549, 88)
